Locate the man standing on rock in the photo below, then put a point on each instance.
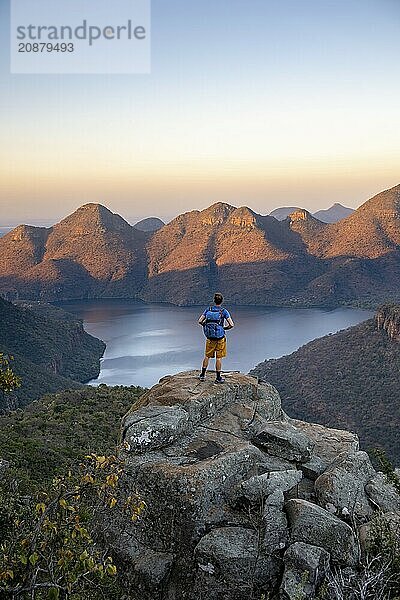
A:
(212, 320)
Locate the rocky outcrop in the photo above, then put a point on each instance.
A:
(240, 499)
(311, 524)
(348, 380)
(341, 488)
(388, 319)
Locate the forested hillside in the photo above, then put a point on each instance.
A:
(348, 380)
(51, 350)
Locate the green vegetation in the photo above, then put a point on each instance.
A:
(50, 435)
(62, 477)
(49, 548)
(349, 380)
(37, 381)
(9, 381)
(51, 349)
(378, 574)
(379, 457)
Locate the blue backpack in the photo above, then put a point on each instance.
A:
(213, 326)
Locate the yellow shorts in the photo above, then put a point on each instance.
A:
(216, 347)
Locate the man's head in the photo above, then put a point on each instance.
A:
(218, 298)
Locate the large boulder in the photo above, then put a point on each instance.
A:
(154, 427)
(314, 525)
(328, 443)
(258, 487)
(228, 484)
(275, 530)
(305, 569)
(342, 486)
(383, 494)
(284, 440)
(230, 565)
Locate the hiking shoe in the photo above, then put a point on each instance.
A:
(220, 380)
(202, 377)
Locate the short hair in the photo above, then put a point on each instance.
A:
(218, 298)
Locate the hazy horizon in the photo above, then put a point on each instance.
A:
(256, 103)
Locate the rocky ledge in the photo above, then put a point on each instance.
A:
(241, 501)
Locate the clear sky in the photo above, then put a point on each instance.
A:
(254, 102)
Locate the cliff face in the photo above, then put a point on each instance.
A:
(388, 319)
(241, 500)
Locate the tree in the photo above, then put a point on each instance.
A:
(49, 548)
(9, 381)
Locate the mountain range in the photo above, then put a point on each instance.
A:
(253, 259)
(335, 213)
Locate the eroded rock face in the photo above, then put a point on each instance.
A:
(388, 319)
(232, 488)
(229, 564)
(284, 440)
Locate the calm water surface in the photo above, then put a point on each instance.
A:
(147, 341)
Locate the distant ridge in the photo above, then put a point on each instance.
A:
(282, 213)
(91, 253)
(335, 213)
(255, 259)
(4, 230)
(150, 224)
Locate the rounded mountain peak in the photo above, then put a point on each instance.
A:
(386, 203)
(93, 216)
(27, 232)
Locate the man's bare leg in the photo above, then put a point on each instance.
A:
(204, 368)
(218, 368)
(205, 362)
